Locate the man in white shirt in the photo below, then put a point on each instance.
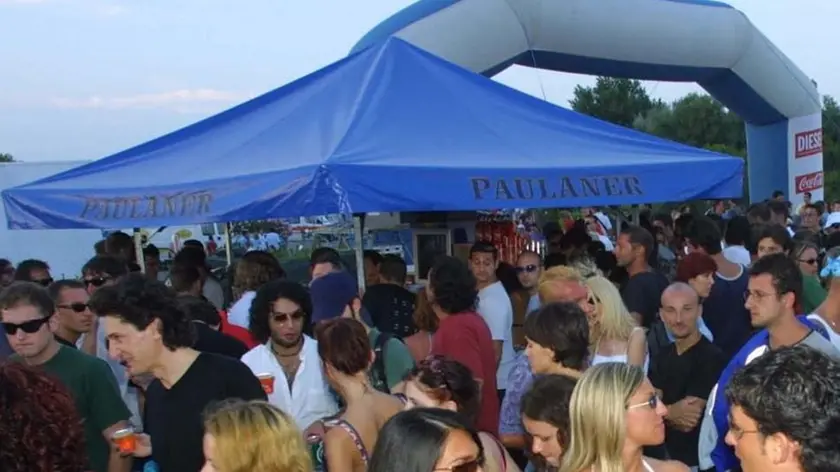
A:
(495, 307)
(294, 380)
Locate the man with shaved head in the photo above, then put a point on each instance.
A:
(685, 371)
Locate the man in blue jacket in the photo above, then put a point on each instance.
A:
(774, 287)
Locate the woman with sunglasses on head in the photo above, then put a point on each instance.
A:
(807, 258)
(613, 334)
(615, 412)
(427, 439)
(438, 382)
(345, 349)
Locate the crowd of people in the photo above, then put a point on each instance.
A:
(696, 343)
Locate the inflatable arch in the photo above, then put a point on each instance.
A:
(702, 41)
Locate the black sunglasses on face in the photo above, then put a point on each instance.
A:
(45, 282)
(528, 268)
(284, 317)
(96, 281)
(77, 307)
(29, 327)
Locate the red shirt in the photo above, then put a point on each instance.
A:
(466, 338)
(237, 332)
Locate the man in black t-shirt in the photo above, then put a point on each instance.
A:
(150, 333)
(684, 372)
(644, 287)
(389, 303)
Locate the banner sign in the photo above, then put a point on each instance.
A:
(485, 188)
(179, 204)
(805, 158)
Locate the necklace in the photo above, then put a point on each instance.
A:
(294, 354)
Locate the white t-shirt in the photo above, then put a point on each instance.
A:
(738, 255)
(239, 313)
(495, 307)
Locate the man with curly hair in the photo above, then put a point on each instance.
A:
(462, 334)
(150, 333)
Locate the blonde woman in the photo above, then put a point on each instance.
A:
(253, 437)
(614, 413)
(613, 333)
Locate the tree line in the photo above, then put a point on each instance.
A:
(696, 120)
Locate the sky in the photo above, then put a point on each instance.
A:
(82, 79)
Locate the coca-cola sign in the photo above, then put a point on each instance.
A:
(808, 143)
(808, 182)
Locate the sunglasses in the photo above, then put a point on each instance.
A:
(527, 269)
(77, 307)
(652, 403)
(29, 327)
(812, 261)
(44, 282)
(96, 281)
(284, 317)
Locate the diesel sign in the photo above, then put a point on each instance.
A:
(808, 143)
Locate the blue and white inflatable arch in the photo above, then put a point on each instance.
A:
(701, 41)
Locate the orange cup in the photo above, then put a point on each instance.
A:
(126, 440)
(267, 381)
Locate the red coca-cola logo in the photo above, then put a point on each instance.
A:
(808, 182)
(808, 143)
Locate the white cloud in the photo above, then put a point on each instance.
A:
(184, 100)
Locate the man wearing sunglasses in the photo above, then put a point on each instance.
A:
(296, 384)
(73, 317)
(28, 317)
(529, 270)
(34, 270)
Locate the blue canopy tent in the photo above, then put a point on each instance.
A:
(392, 128)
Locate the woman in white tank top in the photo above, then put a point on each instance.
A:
(612, 330)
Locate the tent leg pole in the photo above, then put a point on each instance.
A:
(138, 250)
(228, 245)
(358, 232)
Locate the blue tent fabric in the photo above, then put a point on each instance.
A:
(392, 128)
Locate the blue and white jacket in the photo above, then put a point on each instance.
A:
(712, 449)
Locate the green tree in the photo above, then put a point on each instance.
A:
(831, 146)
(619, 101)
(5, 157)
